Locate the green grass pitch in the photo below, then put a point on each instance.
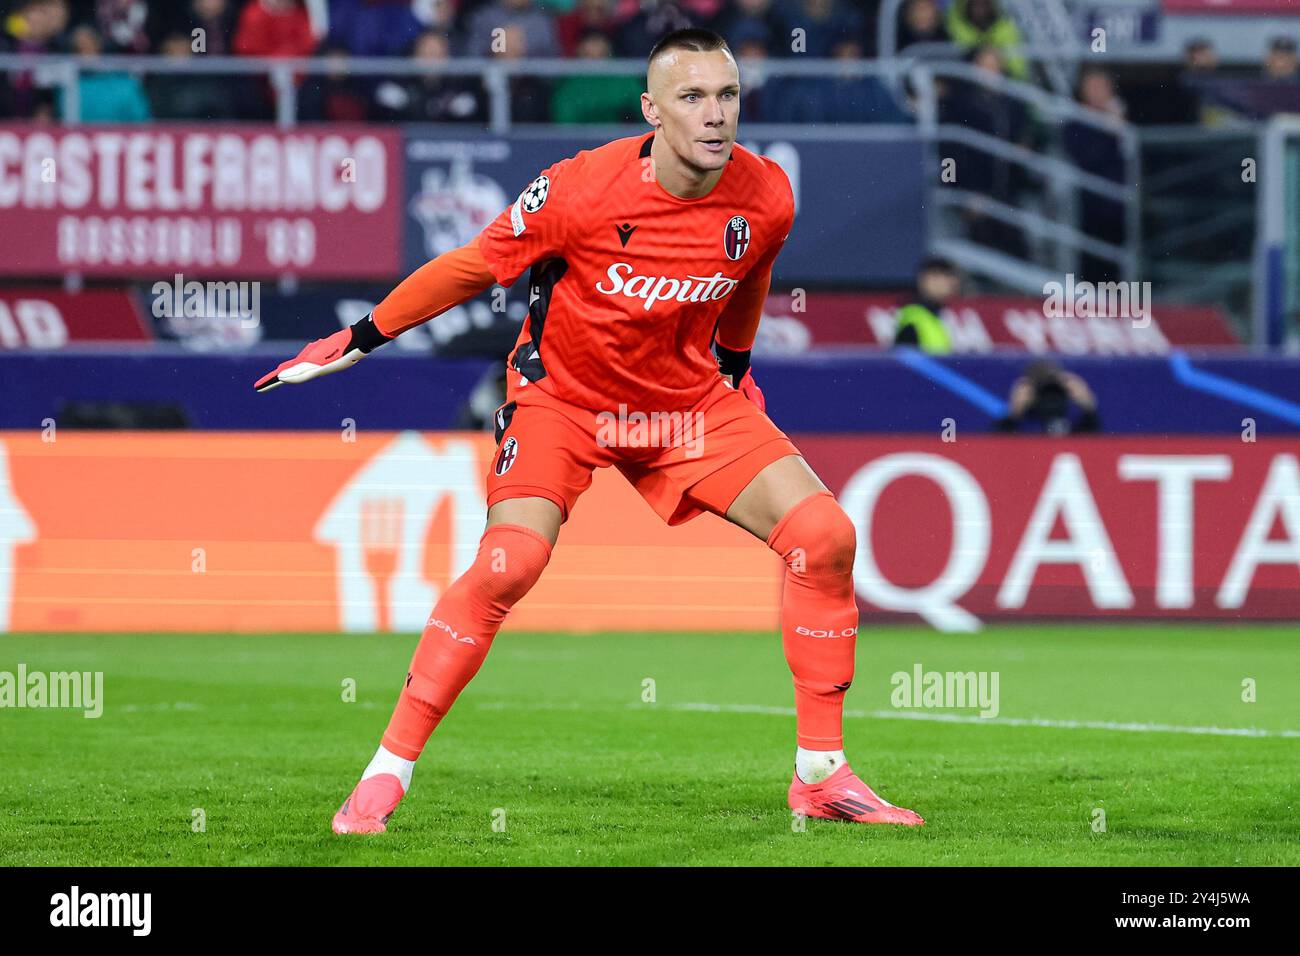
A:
(554, 739)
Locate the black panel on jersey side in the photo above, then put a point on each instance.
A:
(505, 414)
(527, 359)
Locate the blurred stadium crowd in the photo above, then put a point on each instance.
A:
(1107, 167)
(981, 31)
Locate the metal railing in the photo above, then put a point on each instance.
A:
(1199, 214)
(495, 74)
(1276, 257)
(1067, 185)
(1048, 24)
(1060, 39)
(1049, 42)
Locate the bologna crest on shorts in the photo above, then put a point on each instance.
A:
(735, 238)
(509, 452)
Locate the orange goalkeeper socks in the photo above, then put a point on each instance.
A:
(819, 615)
(819, 619)
(460, 631)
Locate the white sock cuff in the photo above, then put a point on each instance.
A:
(814, 766)
(385, 761)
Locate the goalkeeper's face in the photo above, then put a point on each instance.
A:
(694, 101)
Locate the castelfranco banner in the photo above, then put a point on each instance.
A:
(338, 532)
(207, 201)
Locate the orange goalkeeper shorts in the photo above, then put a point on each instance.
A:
(681, 463)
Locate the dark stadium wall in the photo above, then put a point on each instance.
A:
(866, 391)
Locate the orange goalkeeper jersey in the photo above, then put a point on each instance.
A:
(628, 282)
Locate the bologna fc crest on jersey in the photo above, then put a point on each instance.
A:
(735, 238)
(509, 451)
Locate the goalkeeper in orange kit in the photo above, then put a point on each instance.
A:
(650, 260)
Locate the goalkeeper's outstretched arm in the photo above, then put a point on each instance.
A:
(430, 290)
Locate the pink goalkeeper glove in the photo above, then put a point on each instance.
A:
(344, 349)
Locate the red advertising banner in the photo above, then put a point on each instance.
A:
(1091, 528)
(1231, 7)
(43, 319)
(313, 532)
(211, 201)
(985, 323)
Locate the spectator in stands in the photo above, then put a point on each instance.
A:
(274, 28)
(1199, 56)
(655, 18)
(280, 28)
(862, 99)
(700, 11)
(843, 99)
(1280, 64)
(122, 25)
(1200, 80)
(1096, 91)
(200, 97)
(976, 23)
(1184, 101)
(1044, 395)
(986, 110)
(215, 18)
(210, 25)
(920, 21)
(703, 11)
(336, 96)
(586, 16)
(372, 27)
(597, 99)
(105, 97)
(1276, 89)
(920, 321)
(515, 18)
(530, 96)
(37, 26)
(824, 22)
(1098, 152)
(441, 16)
(433, 97)
(749, 21)
(750, 45)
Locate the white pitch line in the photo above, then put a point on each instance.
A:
(1000, 721)
(1129, 727)
(159, 707)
